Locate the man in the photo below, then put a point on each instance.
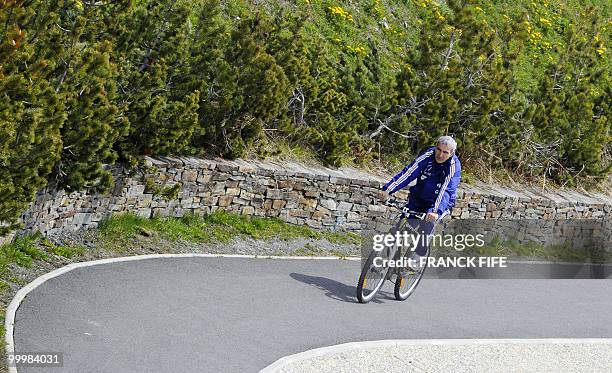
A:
(438, 172)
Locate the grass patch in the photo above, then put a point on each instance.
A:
(343, 238)
(16, 280)
(259, 228)
(68, 251)
(337, 253)
(311, 250)
(116, 232)
(218, 226)
(122, 225)
(25, 251)
(22, 251)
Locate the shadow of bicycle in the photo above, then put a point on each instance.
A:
(337, 290)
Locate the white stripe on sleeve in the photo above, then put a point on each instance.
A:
(445, 185)
(410, 171)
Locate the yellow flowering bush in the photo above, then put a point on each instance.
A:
(338, 12)
(360, 51)
(545, 22)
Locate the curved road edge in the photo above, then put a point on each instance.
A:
(11, 311)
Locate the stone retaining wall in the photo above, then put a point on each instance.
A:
(322, 198)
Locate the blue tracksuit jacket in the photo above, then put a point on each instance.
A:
(436, 187)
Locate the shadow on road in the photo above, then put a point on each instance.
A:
(336, 290)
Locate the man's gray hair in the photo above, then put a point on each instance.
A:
(447, 140)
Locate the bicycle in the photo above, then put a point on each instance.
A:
(406, 280)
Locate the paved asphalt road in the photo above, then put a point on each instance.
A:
(239, 315)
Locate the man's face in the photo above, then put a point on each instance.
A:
(443, 153)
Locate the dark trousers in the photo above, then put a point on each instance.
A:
(424, 228)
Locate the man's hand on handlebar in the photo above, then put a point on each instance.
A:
(390, 201)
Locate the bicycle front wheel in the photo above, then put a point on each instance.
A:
(371, 279)
(407, 281)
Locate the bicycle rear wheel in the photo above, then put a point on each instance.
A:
(407, 281)
(372, 277)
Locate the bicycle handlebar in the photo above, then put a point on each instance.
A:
(400, 206)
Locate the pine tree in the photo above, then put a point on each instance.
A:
(31, 115)
(332, 124)
(487, 105)
(429, 85)
(369, 90)
(163, 103)
(289, 46)
(73, 37)
(377, 87)
(247, 90)
(571, 121)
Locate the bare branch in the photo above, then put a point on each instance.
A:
(61, 28)
(63, 77)
(385, 126)
(448, 52)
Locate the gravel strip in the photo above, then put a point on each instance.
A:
(493, 357)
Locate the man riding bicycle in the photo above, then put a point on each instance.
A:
(438, 173)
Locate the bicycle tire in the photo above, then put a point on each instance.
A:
(369, 264)
(364, 280)
(404, 289)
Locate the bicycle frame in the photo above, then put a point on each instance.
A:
(405, 214)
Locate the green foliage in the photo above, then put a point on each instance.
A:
(82, 67)
(524, 86)
(167, 192)
(247, 87)
(570, 102)
(67, 252)
(460, 82)
(22, 251)
(170, 192)
(150, 186)
(332, 123)
(163, 109)
(31, 114)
